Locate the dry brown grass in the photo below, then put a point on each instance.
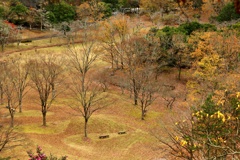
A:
(64, 132)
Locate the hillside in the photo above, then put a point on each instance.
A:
(157, 84)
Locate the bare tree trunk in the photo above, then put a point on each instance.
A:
(12, 119)
(1, 94)
(143, 111)
(85, 127)
(112, 61)
(135, 92)
(135, 97)
(53, 91)
(20, 101)
(20, 105)
(44, 113)
(11, 111)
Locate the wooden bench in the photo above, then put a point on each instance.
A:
(122, 132)
(103, 136)
(26, 41)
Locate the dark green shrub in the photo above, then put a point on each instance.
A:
(190, 27)
(173, 30)
(186, 29)
(227, 13)
(18, 12)
(61, 12)
(1, 12)
(19, 9)
(208, 27)
(235, 27)
(166, 34)
(114, 3)
(107, 9)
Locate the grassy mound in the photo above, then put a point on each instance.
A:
(51, 128)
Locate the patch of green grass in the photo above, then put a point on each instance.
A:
(153, 114)
(51, 128)
(134, 112)
(137, 113)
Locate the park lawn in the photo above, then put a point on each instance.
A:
(63, 134)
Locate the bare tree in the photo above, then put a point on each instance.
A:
(102, 77)
(148, 91)
(45, 74)
(9, 91)
(138, 57)
(8, 138)
(132, 50)
(2, 77)
(109, 45)
(178, 49)
(168, 94)
(86, 92)
(140, 65)
(20, 79)
(116, 33)
(11, 99)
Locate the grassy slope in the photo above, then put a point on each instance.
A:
(64, 133)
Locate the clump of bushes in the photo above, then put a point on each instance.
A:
(61, 12)
(2, 11)
(174, 39)
(228, 13)
(235, 26)
(188, 28)
(166, 34)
